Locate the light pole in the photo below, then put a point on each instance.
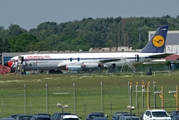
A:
(175, 94)
(62, 106)
(130, 108)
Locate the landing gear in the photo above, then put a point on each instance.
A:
(112, 68)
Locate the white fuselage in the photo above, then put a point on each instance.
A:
(61, 60)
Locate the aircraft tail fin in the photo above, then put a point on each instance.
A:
(157, 42)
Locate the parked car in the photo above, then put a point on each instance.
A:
(116, 115)
(175, 117)
(14, 116)
(126, 114)
(69, 117)
(23, 117)
(100, 118)
(157, 114)
(129, 118)
(57, 116)
(40, 117)
(92, 115)
(174, 113)
(44, 114)
(7, 118)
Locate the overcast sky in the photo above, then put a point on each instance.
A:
(29, 14)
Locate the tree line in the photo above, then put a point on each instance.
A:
(82, 34)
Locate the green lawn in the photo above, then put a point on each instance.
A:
(40, 93)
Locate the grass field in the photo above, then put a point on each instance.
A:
(28, 94)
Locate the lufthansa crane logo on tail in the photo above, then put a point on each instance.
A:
(158, 41)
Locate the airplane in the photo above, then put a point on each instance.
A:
(87, 60)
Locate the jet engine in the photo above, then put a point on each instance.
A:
(83, 66)
(73, 68)
(91, 65)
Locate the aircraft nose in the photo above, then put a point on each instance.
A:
(8, 64)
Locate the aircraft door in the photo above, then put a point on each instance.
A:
(20, 59)
(137, 57)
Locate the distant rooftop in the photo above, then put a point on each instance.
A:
(112, 49)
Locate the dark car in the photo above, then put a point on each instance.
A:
(23, 117)
(175, 117)
(93, 115)
(70, 117)
(14, 116)
(57, 116)
(40, 117)
(116, 115)
(174, 113)
(126, 114)
(100, 118)
(129, 118)
(44, 114)
(10, 118)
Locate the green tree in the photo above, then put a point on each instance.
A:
(99, 32)
(15, 30)
(41, 46)
(53, 41)
(22, 43)
(1, 45)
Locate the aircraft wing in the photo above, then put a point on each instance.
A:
(68, 63)
(63, 64)
(110, 60)
(159, 55)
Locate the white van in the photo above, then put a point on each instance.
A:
(156, 114)
(69, 117)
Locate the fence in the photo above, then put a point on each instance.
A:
(81, 100)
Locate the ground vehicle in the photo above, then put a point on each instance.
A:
(126, 114)
(157, 114)
(116, 115)
(92, 115)
(174, 113)
(23, 117)
(57, 116)
(175, 117)
(69, 117)
(100, 118)
(43, 114)
(129, 118)
(40, 117)
(13, 116)
(7, 118)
